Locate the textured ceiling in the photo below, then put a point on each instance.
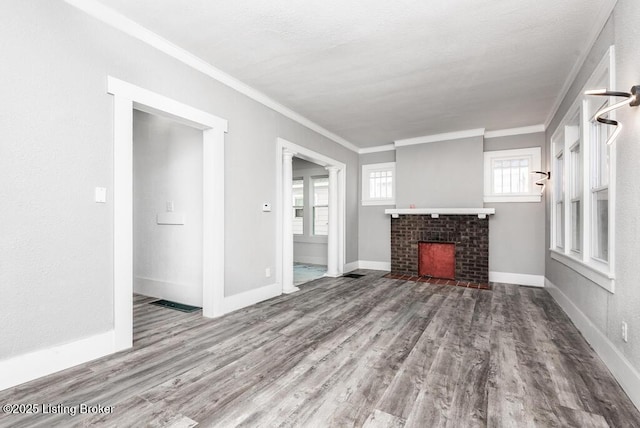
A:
(376, 71)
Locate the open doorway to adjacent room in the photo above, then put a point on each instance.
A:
(310, 190)
(167, 223)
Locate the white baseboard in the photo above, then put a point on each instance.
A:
(314, 260)
(365, 264)
(188, 294)
(624, 372)
(26, 367)
(517, 278)
(350, 267)
(251, 297)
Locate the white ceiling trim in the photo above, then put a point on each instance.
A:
(111, 17)
(478, 132)
(377, 149)
(515, 131)
(604, 14)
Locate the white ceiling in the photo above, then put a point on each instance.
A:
(375, 71)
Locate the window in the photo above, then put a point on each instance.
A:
(320, 205)
(582, 230)
(378, 184)
(576, 197)
(298, 207)
(507, 175)
(599, 188)
(559, 199)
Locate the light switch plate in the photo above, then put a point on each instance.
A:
(101, 195)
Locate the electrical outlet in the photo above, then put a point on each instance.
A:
(267, 272)
(624, 331)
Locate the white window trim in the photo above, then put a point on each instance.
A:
(533, 195)
(584, 263)
(368, 169)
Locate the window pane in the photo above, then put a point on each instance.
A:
(321, 191)
(381, 184)
(559, 178)
(321, 205)
(576, 226)
(600, 154)
(510, 176)
(320, 220)
(601, 224)
(559, 224)
(576, 172)
(298, 204)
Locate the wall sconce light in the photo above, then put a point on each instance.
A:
(632, 100)
(542, 180)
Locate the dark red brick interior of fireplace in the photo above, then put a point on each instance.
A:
(468, 233)
(437, 259)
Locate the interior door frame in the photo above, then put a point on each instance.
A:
(128, 97)
(284, 257)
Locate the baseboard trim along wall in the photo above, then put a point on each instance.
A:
(624, 372)
(350, 267)
(517, 278)
(250, 297)
(24, 368)
(366, 264)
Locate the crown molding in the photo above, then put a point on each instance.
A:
(120, 22)
(605, 12)
(533, 129)
(478, 132)
(377, 149)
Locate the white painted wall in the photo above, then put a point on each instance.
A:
(167, 166)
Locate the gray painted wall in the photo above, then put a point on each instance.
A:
(517, 230)
(57, 146)
(445, 174)
(604, 309)
(309, 248)
(375, 226)
(517, 237)
(167, 166)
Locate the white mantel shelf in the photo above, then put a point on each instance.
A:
(436, 212)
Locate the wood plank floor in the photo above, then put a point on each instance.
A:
(371, 352)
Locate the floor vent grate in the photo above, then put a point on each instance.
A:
(175, 305)
(352, 275)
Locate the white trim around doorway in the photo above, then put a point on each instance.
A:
(283, 261)
(128, 97)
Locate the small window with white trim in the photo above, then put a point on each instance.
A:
(507, 175)
(378, 184)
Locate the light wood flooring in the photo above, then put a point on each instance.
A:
(373, 352)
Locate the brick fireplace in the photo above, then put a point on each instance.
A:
(466, 236)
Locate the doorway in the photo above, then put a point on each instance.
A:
(167, 209)
(310, 188)
(336, 211)
(127, 98)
